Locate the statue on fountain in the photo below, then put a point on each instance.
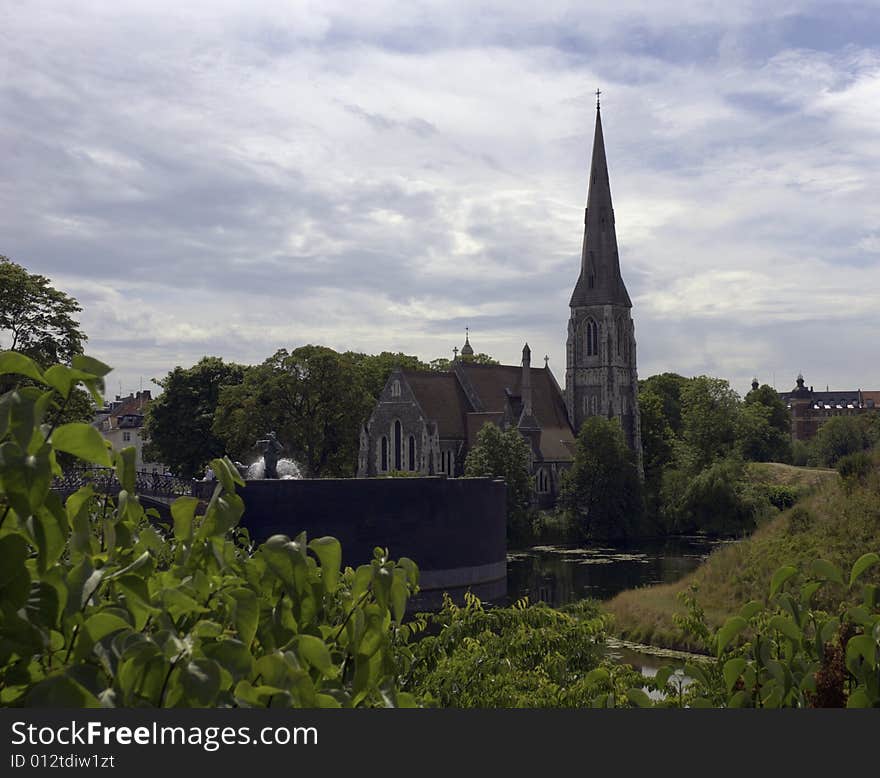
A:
(271, 448)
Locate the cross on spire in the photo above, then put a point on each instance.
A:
(598, 92)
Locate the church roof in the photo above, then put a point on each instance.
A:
(600, 282)
(442, 400)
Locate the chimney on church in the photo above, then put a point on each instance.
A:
(527, 420)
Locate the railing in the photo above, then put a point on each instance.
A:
(103, 479)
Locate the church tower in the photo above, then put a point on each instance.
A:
(600, 375)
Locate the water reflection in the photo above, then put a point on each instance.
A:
(558, 575)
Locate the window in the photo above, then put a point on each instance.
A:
(591, 281)
(591, 337)
(543, 481)
(126, 436)
(398, 446)
(384, 454)
(395, 389)
(412, 452)
(620, 337)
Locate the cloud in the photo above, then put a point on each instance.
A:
(225, 179)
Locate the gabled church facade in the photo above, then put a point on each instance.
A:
(426, 422)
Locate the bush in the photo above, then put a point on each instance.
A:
(781, 496)
(799, 520)
(99, 609)
(855, 467)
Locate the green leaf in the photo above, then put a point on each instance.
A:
(13, 362)
(245, 613)
(89, 365)
(183, 509)
(137, 598)
(733, 669)
(98, 626)
(780, 577)
(751, 608)
(861, 648)
(696, 672)
(826, 570)
(61, 691)
(125, 469)
(329, 552)
(858, 699)
(314, 651)
(179, 604)
(732, 627)
(862, 563)
(787, 627)
(701, 702)
(661, 678)
(200, 681)
(639, 698)
(234, 656)
(83, 441)
(399, 594)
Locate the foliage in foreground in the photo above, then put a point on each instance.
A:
(97, 608)
(523, 656)
(786, 651)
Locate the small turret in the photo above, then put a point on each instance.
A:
(467, 351)
(527, 420)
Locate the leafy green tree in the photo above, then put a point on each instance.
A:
(717, 501)
(839, 437)
(375, 368)
(35, 318)
(657, 448)
(602, 491)
(758, 439)
(313, 398)
(497, 454)
(179, 422)
(764, 427)
(709, 416)
(442, 364)
(669, 387)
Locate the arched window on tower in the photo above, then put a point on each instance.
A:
(591, 337)
(412, 452)
(398, 446)
(384, 462)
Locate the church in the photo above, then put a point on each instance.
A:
(426, 422)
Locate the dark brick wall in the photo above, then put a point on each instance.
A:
(440, 523)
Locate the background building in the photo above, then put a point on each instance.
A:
(121, 422)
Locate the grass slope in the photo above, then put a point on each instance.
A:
(837, 522)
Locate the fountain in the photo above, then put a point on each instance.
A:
(286, 469)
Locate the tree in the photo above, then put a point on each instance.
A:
(35, 318)
(717, 501)
(442, 364)
(313, 398)
(178, 422)
(602, 490)
(758, 439)
(375, 368)
(708, 419)
(764, 427)
(657, 447)
(839, 437)
(668, 387)
(506, 455)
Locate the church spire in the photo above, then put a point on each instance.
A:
(600, 282)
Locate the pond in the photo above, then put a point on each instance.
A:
(558, 575)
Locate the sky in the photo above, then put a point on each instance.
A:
(231, 178)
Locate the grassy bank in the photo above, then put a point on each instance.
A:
(837, 521)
